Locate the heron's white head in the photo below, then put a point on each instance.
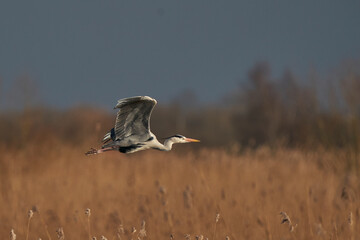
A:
(176, 139)
(182, 139)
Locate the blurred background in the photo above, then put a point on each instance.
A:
(272, 89)
(247, 73)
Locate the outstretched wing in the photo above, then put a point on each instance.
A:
(133, 117)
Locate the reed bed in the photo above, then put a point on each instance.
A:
(208, 194)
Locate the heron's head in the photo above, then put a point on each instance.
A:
(182, 139)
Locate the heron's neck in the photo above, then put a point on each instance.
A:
(167, 145)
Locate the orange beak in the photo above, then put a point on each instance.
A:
(191, 140)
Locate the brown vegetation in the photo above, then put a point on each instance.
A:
(178, 193)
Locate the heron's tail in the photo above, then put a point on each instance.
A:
(109, 136)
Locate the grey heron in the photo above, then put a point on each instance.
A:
(132, 129)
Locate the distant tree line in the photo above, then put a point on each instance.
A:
(284, 112)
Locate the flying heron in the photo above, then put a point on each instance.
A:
(132, 129)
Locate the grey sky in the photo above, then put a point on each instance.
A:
(98, 51)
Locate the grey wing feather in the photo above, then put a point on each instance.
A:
(133, 117)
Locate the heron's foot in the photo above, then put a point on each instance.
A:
(92, 151)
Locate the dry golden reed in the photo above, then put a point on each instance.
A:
(248, 190)
(142, 231)
(216, 221)
(12, 234)
(37, 210)
(88, 214)
(120, 231)
(286, 219)
(30, 215)
(60, 233)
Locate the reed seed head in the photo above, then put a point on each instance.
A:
(120, 229)
(60, 233)
(30, 213)
(187, 237)
(133, 230)
(103, 238)
(93, 238)
(88, 212)
(199, 237)
(142, 231)
(227, 238)
(286, 219)
(12, 234)
(217, 217)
